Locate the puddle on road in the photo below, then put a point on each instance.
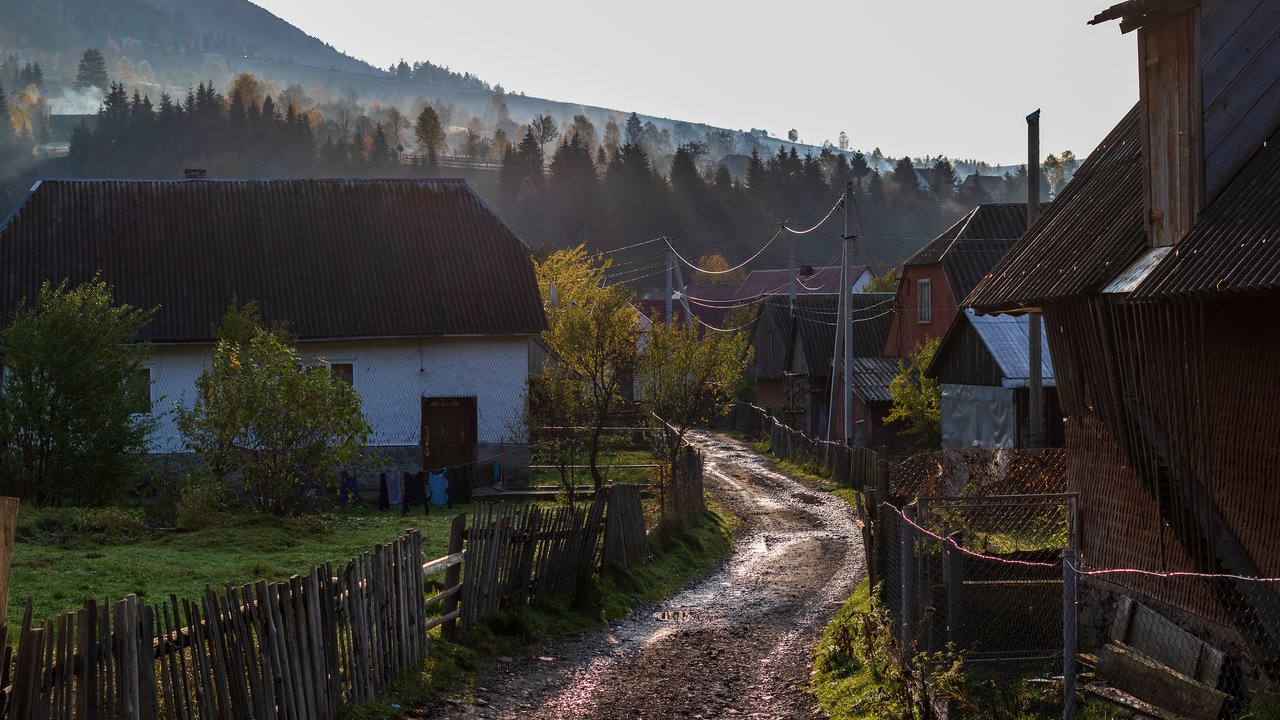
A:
(672, 615)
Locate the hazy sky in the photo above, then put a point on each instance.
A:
(918, 77)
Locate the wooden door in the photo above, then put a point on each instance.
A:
(448, 431)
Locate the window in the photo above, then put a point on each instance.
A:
(139, 391)
(924, 300)
(346, 372)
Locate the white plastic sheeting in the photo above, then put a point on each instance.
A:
(978, 416)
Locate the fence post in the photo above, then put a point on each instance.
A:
(8, 524)
(1069, 611)
(453, 575)
(953, 576)
(906, 550)
(871, 539)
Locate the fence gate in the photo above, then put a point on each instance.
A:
(983, 573)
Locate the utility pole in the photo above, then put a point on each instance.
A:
(1035, 404)
(846, 295)
(671, 267)
(791, 271)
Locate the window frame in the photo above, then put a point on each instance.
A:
(924, 301)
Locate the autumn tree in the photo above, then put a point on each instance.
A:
(263, 414)
(888, 282)
(917, 399)
(591, 333)
(718, 271)
(685, 380)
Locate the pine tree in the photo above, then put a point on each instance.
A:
(634, 130)
(92, 71)
(429, 133)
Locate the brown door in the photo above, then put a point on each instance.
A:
(448, 431)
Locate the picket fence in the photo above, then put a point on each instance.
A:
(305, 647)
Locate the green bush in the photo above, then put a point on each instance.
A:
(83, 525)
(202, 502)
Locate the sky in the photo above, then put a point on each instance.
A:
(912, 77)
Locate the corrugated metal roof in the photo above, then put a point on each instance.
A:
(823, 280)
(816, 325)
(975, 243)
(1085, 237)
(333, 258)
(1234, 247)
(871, 378)
(1006, 337)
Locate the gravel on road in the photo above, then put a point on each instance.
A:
(734, 645)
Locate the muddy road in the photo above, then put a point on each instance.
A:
(735, 644)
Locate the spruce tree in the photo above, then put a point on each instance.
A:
(92, 71)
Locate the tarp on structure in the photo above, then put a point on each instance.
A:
(978, 416)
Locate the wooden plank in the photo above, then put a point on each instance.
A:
(8, 524)
(453, 575)
(443, 563)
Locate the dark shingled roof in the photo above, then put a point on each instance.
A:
(1234, 247)
(816, 325)
(333, 258)
(1083, 239)
(970, 247)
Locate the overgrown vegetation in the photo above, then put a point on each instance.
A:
(267, 421)
(72, 428)
(917, 399)
(65, 555)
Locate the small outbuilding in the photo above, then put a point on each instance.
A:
(984, 365)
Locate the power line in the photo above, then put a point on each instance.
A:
(820, 223)
(628, 247)
(739, 266)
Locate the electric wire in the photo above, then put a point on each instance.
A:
(820, 223)
(737, 267)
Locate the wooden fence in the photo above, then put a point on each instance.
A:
(518, 554)
(303, 648)
(294, 649)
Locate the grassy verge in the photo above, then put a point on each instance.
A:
(63, 556)
(679, 558)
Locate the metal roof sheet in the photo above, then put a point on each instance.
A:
(1234, 247)
(1007, 338)
(1083, 239)
(824, 280)
(974, 243)
(871, 378)
(332, 258)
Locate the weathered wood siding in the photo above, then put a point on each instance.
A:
(1169, 91)
(1240, 75)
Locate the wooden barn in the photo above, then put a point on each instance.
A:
(794, 375)
(984, 368)
(1165, 331)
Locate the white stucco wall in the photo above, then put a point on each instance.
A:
(391, 376)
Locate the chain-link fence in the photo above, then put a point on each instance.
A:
(982, 574)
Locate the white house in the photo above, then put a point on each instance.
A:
(412, 290)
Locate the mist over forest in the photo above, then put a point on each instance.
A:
(150, 88)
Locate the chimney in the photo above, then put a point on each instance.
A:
(195, 173)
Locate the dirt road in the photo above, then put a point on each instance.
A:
(736, 644)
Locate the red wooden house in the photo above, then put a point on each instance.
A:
(942, 273)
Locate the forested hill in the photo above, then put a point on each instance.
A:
(163, 33)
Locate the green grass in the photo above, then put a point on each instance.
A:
(615, 449)
(61, 563)
(679, 558)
